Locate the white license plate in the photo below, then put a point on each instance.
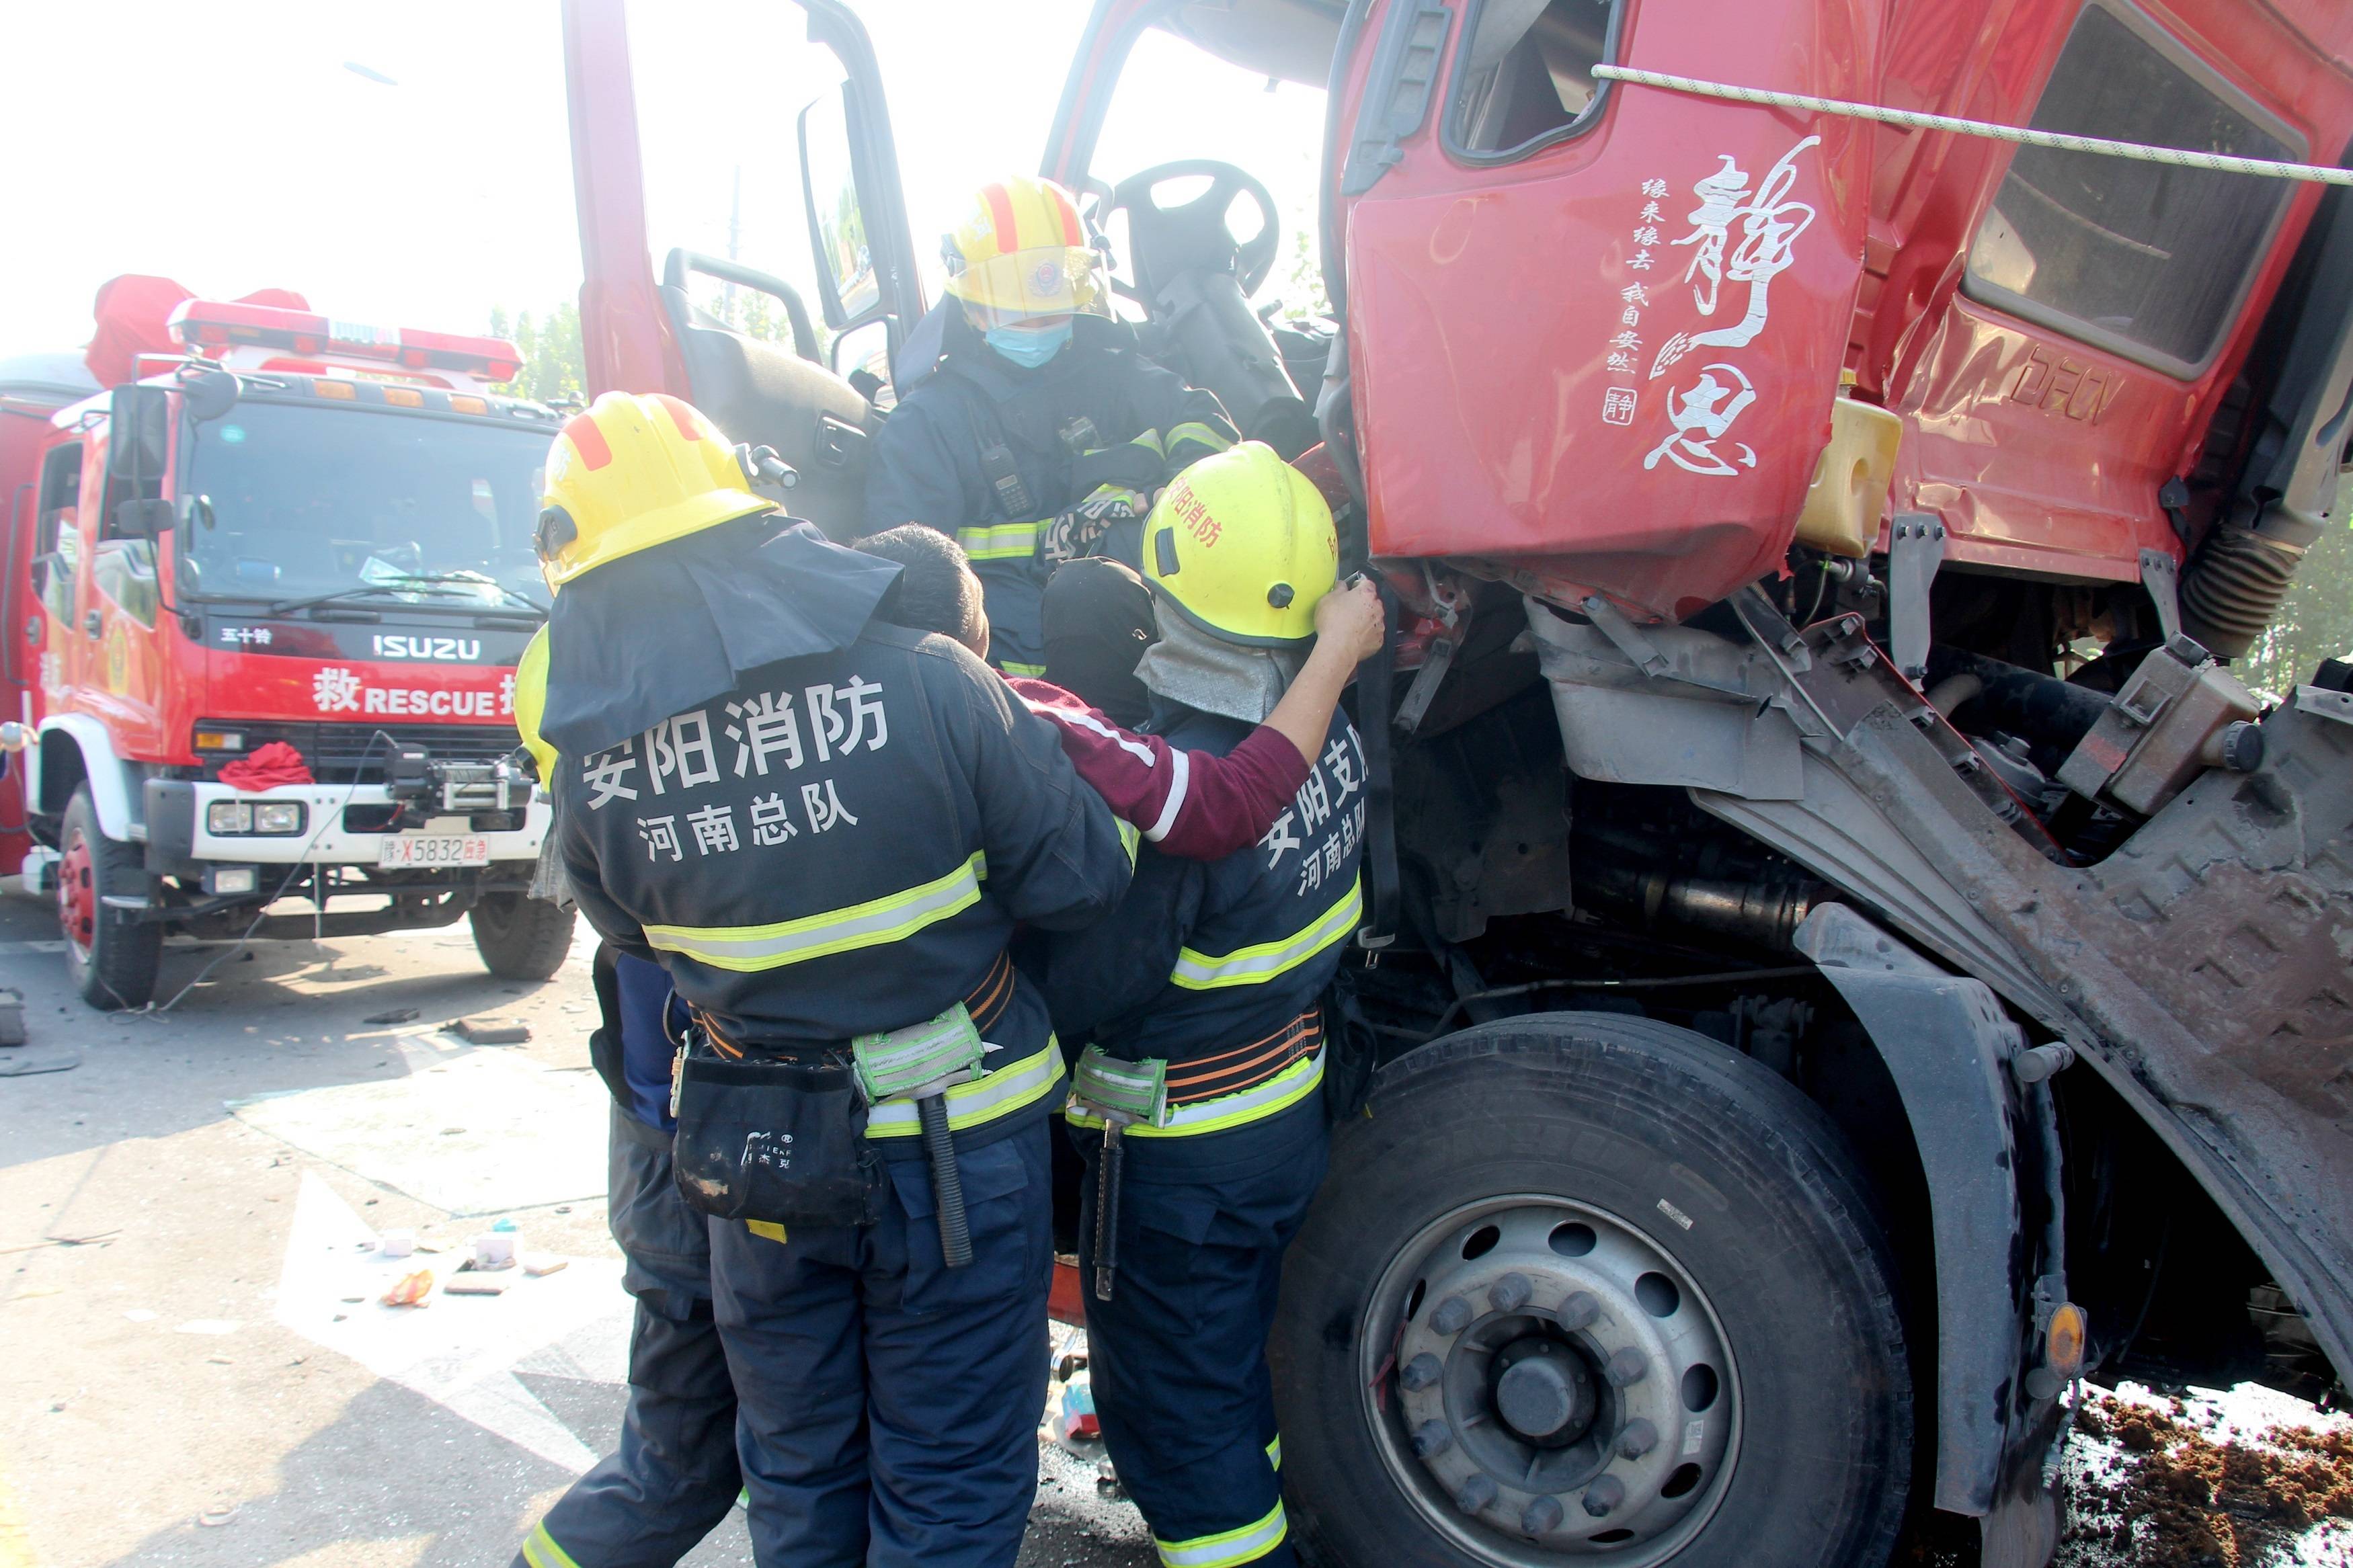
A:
(421, 851)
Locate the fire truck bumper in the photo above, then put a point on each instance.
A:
(198, 822)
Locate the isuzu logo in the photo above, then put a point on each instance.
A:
(393, 645)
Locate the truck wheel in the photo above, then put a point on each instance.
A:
(111, 959)
(521, 937)
(1585, 1287)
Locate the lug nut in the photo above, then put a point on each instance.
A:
(1476, 1494)
(1431, 1439)
(1541, 1517)
(1510, 1293)
(1638, 1440)
(1578, 1311)
(1419, 1372)
(1603, 1496)
(1626, 1368)
(1453, 1316)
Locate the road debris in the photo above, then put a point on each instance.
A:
(395, 1015)
(395, 1243)
(472, 1284)
(220, 1513)
(2206, 1481)
(491, 1031)
(412, 1290)
(12, 1016)
(493, 1251)
(540, 1264)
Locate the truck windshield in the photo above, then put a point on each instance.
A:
(304, 501)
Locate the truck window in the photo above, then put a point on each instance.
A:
(56, 538)
(307, 500)
(2143, 259)
(1524, 78)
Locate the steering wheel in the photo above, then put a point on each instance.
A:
(1195, 236)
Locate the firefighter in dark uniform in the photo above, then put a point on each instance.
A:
(824, 828)
(1198, 1106)
(674, 1475)
(1036, 427)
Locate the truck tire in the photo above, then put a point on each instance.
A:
(1585, 1288)
(111, 961)
(521, 937)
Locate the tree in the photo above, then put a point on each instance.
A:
(555, 367)
(2316, 622)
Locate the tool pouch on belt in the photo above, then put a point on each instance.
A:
(772, 1141)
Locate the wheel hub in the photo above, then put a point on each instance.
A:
(1544, 1389)
(78, 894)
(1560, 1387)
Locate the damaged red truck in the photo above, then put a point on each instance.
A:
(243, 524)
(1853, 958)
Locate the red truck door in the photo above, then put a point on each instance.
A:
(1594, 331)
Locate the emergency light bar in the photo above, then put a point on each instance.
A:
(216, 325)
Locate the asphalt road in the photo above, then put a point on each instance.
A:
(189, 1207)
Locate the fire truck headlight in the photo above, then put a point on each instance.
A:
(229, 818)
(278, 817)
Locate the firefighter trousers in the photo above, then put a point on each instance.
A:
(674, 1477)
(1178, 1356)
(889, 1403)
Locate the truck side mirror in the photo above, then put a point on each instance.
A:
(848, 289)
(139, 434)
(141, 519)
(209, 394)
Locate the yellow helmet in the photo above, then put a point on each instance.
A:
(1023, 253)
(632, 472)
(531, 701)
(1243, 545)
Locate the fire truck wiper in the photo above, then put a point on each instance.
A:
(288, 607)
(474, 581)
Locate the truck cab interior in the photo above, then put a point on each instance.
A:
(1214, 261)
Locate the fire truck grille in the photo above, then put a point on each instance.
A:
(359, 754)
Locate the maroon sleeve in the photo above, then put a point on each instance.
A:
(1231, 801)
(1196, 806)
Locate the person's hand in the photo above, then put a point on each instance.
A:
(1350, 619)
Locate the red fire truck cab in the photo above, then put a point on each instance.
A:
(288, 530)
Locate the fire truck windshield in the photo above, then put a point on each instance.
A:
(380, 507)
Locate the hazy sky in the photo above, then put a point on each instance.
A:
(230, 148)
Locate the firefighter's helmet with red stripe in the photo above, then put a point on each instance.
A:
(1023, 253)
(631, 472)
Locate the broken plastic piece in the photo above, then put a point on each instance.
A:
(412, 1290)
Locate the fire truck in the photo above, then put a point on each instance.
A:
(1848, 956)
(265, 595)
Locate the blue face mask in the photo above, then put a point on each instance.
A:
(1029, 347)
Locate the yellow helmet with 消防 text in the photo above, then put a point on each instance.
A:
(631, 472)
(1242, 544)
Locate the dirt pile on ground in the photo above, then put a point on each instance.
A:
(2173, 1496)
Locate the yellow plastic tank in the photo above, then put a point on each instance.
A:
(1852, 477)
